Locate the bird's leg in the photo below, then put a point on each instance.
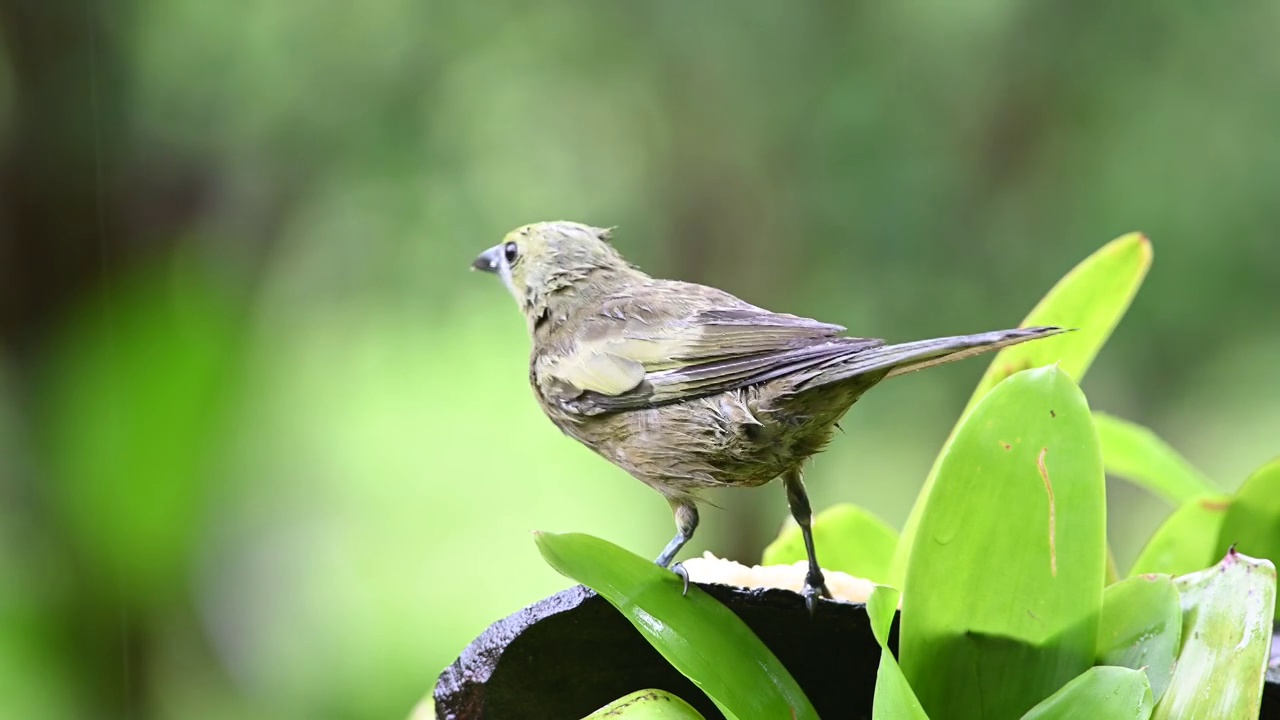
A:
(686, 515)
(814, 583)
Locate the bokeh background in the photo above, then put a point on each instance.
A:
(267, 449)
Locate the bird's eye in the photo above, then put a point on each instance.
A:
(511, 252)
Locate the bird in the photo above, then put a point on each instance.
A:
(687, 387)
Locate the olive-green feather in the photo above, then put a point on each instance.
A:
(595, 370)
(663, 341)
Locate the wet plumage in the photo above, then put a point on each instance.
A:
(685, 386)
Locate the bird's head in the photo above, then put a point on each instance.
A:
(539, 261)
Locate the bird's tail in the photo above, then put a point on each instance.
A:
(907, 357)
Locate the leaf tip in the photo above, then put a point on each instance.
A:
(1145, 247)
(543, 539)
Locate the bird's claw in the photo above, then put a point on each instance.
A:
(812, 591)
(678, 569)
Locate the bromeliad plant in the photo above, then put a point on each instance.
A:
(1011, 605)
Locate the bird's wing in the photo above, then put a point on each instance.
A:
(676, 342)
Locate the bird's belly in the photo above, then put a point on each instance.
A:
(721, 440)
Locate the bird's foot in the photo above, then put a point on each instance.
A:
(678, 569)
(815, 586)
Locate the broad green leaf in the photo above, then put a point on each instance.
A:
(1004, 591)
(1141, 628)
(134, 413)
(852, 541)
(1185, 541)
(647, 705)
(881, 607)
(1100, 693)
(1091, 298)
(696, 634)
(1113, 572)
(1134, 453)
(1252, 523)
(894, 699)
(1226, 637)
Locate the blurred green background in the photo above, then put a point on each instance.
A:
(267, 449)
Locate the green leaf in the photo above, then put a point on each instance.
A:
(881, 607)
(1252, 523)
(1185, 541)
(1141, 628)
(696, 634)
(1226, 637)
(852, 541)
(133, 415)
(1134, 453)
(1007, 580)
(1091, 298)
(1100, 693)
(894, 699)
(1113, 572)
(647, 705)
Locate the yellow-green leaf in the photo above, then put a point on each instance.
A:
(701, 638)
(1226, 637)
(852, 540)
(1185, 541)
(1141, 628)
(1091, 298)
(894, 699)
(134, 413)
(1252, 523)
(647, 705)
(1005, 587)
(1134, 453)
(1100, 693)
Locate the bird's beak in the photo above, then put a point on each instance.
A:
(488, 260)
